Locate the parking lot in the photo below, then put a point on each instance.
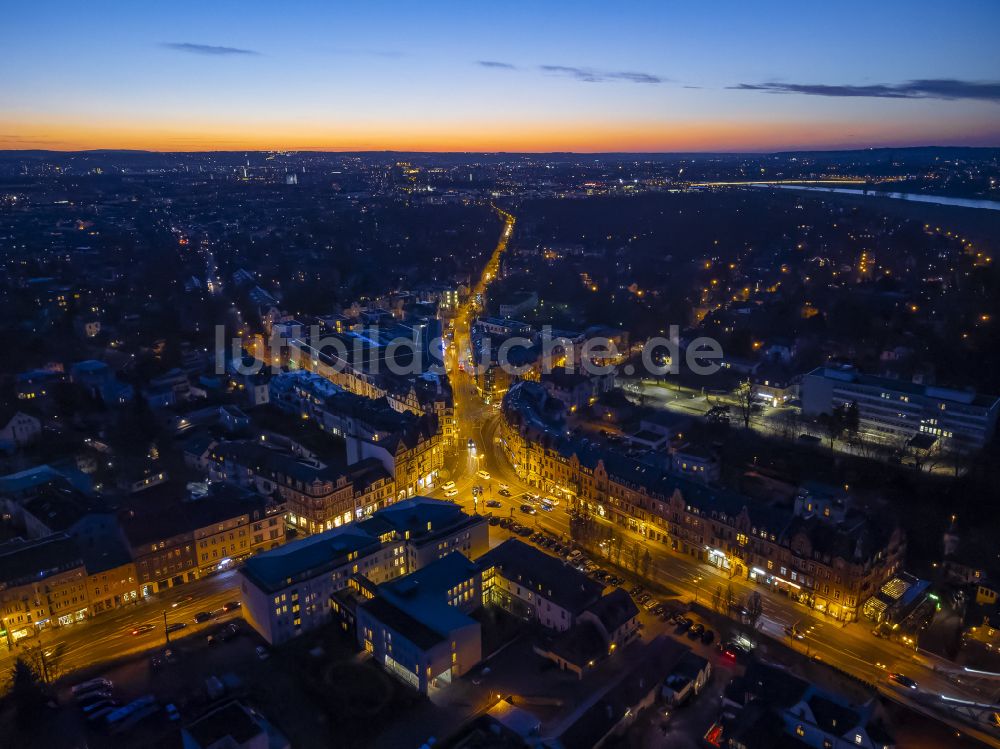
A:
(298, 688)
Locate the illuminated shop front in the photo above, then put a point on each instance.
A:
(717, 557)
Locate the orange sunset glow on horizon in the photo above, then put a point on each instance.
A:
(583, 137)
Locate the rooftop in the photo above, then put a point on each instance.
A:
(543, 573)
(307, 557)
(230, 720)
(25, 561)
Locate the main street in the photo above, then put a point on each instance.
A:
(851, 648)
(109, 636)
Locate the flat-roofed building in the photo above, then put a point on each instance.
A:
(288, 591)
(896, 409)
(419, 627)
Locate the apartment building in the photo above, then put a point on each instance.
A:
(832, 562)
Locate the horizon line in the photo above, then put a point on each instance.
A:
(334, 150)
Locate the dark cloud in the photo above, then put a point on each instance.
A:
(589, 75)
(496, 64)
(928, 88)
(207, 49)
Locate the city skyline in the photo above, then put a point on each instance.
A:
(453, 78)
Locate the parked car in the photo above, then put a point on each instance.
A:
(735, 652)
(504, 492)
(694, 632)
(92, 685)
(494, 503)
(707, 637)
(90, 698)
(684, 624)
(494, 520)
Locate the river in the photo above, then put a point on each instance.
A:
(989, 205)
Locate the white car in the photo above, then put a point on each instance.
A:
(448, 486)
(484, 475)
(451, 492)
(504, 488)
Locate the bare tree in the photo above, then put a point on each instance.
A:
(717, 598)
(788, 422)
(833, 424)
(744, 402)
(633, 557)
(647, 560)
(755, 608)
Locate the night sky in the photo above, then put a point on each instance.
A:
(531, 76)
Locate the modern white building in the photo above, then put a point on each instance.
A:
(418, 627)
(897, 409)
(287, 590)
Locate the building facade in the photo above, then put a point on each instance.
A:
(894, 410)
(832, 563)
